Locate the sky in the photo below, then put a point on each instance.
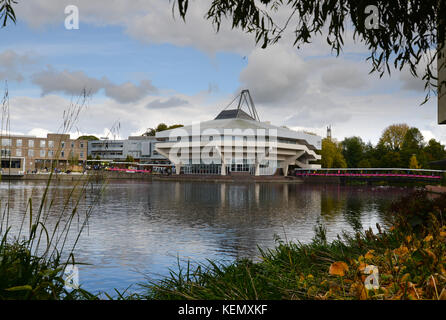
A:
(143, 66)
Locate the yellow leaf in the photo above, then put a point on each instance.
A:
(358, 290)
(428, 238)
(443, 270)
(401, 251)
(338, 268)
(442, 294)
(409, 238)
(443, 234)
(310, 276)
(405, 277)
(362, 266)
(431, 254)
(369, 254)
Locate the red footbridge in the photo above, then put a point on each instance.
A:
(374, 174)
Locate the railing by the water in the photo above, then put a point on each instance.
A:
(372, 172)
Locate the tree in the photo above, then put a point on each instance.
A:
(88, 138)
(332, 155)
(393, 136)
(434, 150)
(405, 33)
(161, 127)
(413, 164)
(150, 132)
(352, 150)
(391, 159)
(413, 144)
(129, 158)
(364, 163)
(7, 11)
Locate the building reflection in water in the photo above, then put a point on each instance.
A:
(147, 226)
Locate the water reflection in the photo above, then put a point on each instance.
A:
(145, 227)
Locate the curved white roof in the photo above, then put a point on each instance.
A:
(219, 126)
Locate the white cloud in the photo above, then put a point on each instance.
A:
(274, 74)
(38, 132)
(68, 82)
(344, 76)
(129, 92)
(12, 64)
(73, 82)
(169, 103)
(148, 21)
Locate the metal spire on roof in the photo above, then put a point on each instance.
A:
(245, 99)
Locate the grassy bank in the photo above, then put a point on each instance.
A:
(410, 259)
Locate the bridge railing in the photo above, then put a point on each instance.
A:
(372, 172)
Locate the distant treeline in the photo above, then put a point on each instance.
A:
(159, 128)
(400, 146)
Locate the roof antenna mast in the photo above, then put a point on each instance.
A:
(245, 96)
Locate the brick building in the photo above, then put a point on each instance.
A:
(22, 154)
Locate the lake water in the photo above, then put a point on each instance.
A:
(140, 229)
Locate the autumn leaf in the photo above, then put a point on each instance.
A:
(369, 254)
(358, 290)
(442, 294)
(362, 266)
(406, 277)
(428, 238)
(401, 250)
(338, 268)
(431, 254)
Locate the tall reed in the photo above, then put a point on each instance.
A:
(35, 254)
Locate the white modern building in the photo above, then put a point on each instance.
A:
(140, 148)
(237, 141)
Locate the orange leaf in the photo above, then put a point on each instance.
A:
(338, 268)
(442, 294)
(431, 254)
(362, 266)
(369, 254)
(405, 277)
(401, 250)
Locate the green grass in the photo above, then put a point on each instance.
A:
(410, 266)
(285, 272)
